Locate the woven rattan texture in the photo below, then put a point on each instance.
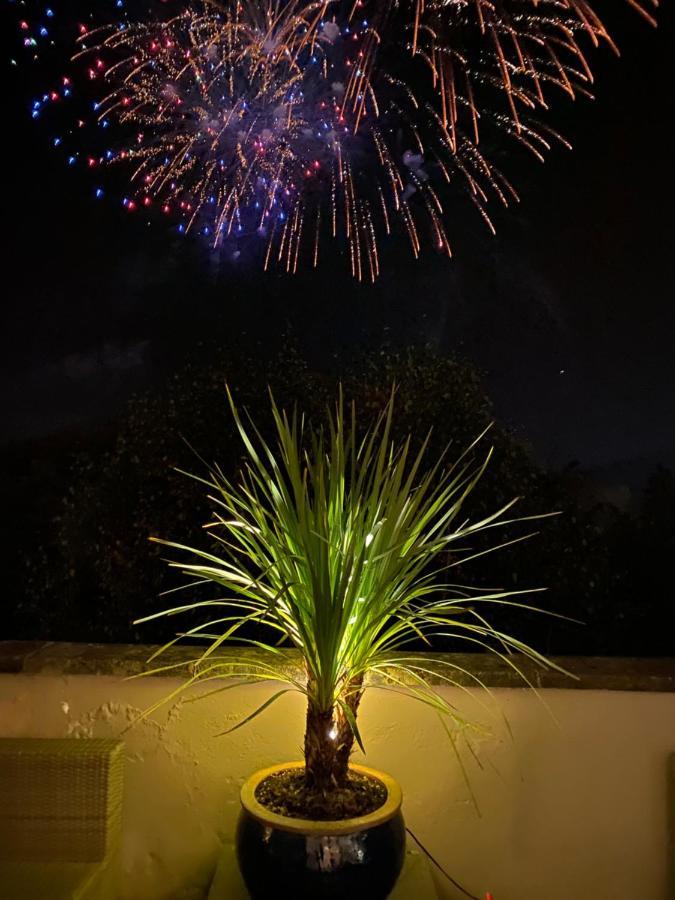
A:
(60, 799)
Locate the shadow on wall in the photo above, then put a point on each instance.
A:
(671, 823)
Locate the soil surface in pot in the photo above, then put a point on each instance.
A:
(287, 794)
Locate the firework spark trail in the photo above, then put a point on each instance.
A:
(287, 122)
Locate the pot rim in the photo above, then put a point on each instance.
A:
(378, 816)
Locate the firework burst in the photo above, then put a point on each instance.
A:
(283, 124)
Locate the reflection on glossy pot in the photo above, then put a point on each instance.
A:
(283, 858)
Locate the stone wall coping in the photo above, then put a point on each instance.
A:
(467, 669)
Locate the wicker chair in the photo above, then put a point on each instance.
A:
(60, 818)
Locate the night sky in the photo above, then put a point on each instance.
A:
(569, 310)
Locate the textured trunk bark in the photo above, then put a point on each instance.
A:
(329, 741)
(345, 738)
(321, 770)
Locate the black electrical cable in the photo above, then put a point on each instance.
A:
(440, 867)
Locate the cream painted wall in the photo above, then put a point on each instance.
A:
(570, 811)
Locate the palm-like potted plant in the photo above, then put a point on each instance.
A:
(335, 544)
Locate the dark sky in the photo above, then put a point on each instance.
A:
(569, 310)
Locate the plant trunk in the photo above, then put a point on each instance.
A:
(329, 741)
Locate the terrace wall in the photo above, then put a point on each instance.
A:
(575, 806)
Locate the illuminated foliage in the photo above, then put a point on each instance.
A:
(344, 546)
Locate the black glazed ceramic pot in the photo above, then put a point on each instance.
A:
(283, 858)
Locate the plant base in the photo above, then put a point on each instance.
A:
(288, 858)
